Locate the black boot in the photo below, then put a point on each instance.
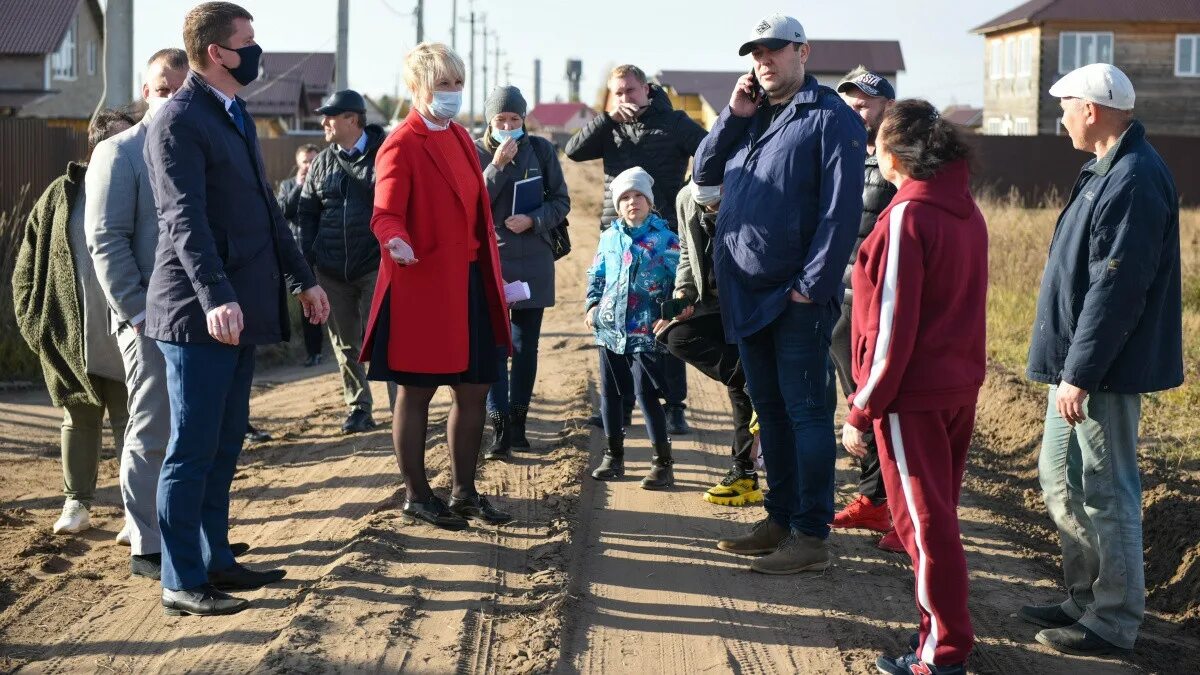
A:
(517, 425)
(661, 475)
(612, 466)
(501, 447)
(676, 423)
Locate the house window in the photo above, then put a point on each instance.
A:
(1187, 55)
(1021, 126)
(1076, 50)
(62, 62)
(1010, 58)
(1025, 58)
(997, 60)
(993, 126)
(91, 57)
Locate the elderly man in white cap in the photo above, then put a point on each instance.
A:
(1108, 330)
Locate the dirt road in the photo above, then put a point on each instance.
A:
(590, 578)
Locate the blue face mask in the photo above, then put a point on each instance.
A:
(446, 104)
(501, 135)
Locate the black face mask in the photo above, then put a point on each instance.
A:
(246, 71)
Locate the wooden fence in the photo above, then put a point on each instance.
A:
(33, 153)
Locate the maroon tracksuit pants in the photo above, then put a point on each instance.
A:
(922, 455)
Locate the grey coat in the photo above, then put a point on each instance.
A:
(689, 276)
(121, 223)
(527, 256)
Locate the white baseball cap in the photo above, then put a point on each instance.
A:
(774, 32)
(1100, 83)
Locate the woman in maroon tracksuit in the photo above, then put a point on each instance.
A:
(918, 362)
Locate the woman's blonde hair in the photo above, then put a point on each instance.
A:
(427, 63)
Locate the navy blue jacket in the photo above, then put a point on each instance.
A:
(1109, 314)
(791, 206)
(222, 238)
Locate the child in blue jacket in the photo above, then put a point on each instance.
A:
(632, 275)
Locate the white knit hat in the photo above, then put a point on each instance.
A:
(633, 179)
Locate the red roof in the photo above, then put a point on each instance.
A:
(1123, 11)
(315, 69)
(273, 98)
(963, 115)
(29, 27)
(558, 114)
(841, 56)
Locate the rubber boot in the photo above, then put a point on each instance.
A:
(612, 466)
(661, 475)
(501, 443)
(517, 426)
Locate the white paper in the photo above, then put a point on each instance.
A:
(516, 291)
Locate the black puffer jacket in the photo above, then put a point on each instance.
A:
(661, 141)
(877, 194)
(334, 212)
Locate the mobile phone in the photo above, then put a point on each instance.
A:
(757, 93)
(672, 308)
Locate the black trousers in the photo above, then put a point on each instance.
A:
(870, 480)
(700, 341)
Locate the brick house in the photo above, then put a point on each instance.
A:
(1155, 42)
(51, 60)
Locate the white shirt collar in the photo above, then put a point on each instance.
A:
(433, 126)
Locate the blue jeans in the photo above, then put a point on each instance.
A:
(1093, 490)
(209, 388)
(791, 384)
(517, 389)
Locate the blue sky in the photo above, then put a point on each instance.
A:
(944, 60)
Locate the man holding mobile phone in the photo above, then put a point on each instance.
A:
(784, 233)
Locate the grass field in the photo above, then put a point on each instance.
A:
(1020, 239)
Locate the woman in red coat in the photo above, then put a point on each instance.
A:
(438, 316)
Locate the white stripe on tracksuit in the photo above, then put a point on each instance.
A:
(897, 443)
(887, 309)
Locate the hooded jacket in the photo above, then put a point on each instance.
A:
(920, 288)
(334, 211)
(791, 204)
(632, 274)
(661, 141)
(1110, 309)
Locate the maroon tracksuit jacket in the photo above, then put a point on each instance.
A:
(920, 291)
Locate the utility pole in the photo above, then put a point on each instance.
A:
(471, 80)
(420, 12)
(341, 76)
(496, 35)
(537, 81)
(508, 73)
(454, 25)
(484, 92)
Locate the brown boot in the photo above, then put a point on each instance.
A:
(798, 553)
(764, 538)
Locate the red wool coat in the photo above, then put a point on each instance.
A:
(415, 200)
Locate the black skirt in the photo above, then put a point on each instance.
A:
(483, 362)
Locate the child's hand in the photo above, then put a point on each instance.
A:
(590, 319)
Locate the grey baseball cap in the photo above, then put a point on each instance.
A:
(774, 32)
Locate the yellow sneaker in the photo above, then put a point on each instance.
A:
(737, 488)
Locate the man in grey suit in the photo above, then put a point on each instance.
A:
(122, 231)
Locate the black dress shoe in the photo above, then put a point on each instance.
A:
(357, 422)
(201, 601)
(1077, 640)
(149, 566)
(478, 507)
(434, 512)
(238, 548)
(254, 435)
(1046, 616)
(242, 578)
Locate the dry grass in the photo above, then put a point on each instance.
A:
(1020, 238)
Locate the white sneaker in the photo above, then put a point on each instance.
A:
(123, 536)
(75, 518)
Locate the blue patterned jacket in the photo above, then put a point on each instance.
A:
(632, 274)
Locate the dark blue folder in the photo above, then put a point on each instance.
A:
(527, 195)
